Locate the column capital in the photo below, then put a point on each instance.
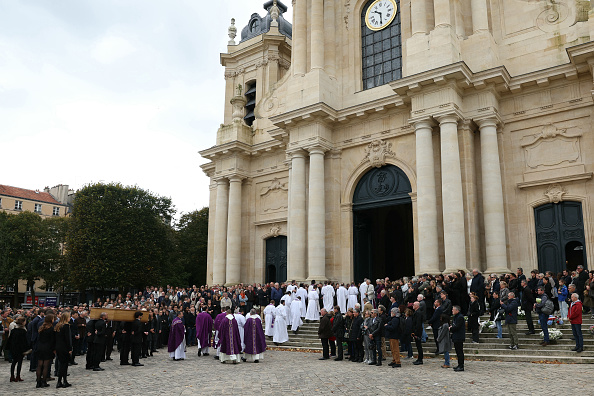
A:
(422, 122)
(236, 178)
(222, 181)
(296, 153)
(448, 118)
(492, 119)
(317, 149)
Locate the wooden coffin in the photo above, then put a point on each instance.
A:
(119, 315)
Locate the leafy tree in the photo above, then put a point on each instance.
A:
(31, 249)
(119, 237)
(192, 244)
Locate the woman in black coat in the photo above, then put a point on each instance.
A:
(408, 330)
(474, 313)
(17, 344)
(46, 345)
(63, 349)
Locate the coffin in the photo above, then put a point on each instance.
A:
(118, 315)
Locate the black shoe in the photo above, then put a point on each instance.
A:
(378, 363)
(199, 352)
(38, 384)
(529, 332)
(137, 364)
(102, 360)
(256, 361)
(98, 369)
(580, 350)
(323, 358)
(88, 368)
(338, 359)
(371, 363)
(206, 354)
(459, 369)
(417, 362)
(216, 358)
(124, 363)
(396, 365)
(74, 364)
(44, 384)
(243, 359)
(66, 385)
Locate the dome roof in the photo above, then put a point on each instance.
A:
(258, 25)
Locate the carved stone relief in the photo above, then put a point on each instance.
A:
(274, 231)
(274, 198)
(376, 153)
(555, 193)
(551, 147)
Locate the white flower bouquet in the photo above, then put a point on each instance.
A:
(554, 334)
(486, 326)
(521, 313)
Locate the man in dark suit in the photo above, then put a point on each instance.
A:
(477, 286)
(99, 341)
(90, 337)
(75, 337)
(325, 332)
(417, 331)
(580, 283)
(356, 337)
(338, 331)
(376, 332)
(125, 329)
(109, 336)
(157, 326)
(434, 321)
(33, 334)
(528, 302)
(136, 338)
(458, 332)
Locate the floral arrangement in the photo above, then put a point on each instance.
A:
(553, 320)
(521, 313)
(592, 330)
(554, 334)
(486, 326)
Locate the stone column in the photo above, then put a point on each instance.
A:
(220, 233)
(492, 198)
(426, 200)
(299, 54)
(234, 232)
(418, 14)
(443, 13)
(317, 34)
(297, 219)
(451, 195)
(480, 21)
(330, 37)
(316, 221)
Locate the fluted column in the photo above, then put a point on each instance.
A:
(234, 232)
(451, 195)
(418, 14)
(316, 221)
(480, 19)
(317, 34)
(443, 13)
(297, 218)
(492, 198)
(220, 233)
(426, 199)
(299, 37)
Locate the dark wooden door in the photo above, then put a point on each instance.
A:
(276, 259)
(560, 238)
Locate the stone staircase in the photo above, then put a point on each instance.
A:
(488, 348)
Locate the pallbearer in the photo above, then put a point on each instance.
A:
(229, 340)
(255, 342)
(176, 345)
(203, 332)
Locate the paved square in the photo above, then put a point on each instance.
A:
(299, 373)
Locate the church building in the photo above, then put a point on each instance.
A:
(374, 138)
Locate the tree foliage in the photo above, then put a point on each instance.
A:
(119, 237)
(192, 245)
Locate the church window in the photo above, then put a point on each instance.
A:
(250, 105)
(381, 51)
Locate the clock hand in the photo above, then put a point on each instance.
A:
(380, 14)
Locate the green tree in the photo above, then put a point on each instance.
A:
(119, 237)
(31, 249)
(192, 245)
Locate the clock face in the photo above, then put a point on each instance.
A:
(380, 14)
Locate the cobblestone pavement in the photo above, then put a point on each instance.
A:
(298, 373)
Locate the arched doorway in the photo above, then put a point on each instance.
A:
(276, 259)
(560, 238)
(383, 243)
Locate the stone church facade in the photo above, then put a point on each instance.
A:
(374, 138)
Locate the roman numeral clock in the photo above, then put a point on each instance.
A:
(380, 14)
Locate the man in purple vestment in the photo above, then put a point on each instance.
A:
(229, 340)
(217, 324)
(175, 345)
(203, 332)
(254, 339)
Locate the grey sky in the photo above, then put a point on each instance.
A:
(106, 90)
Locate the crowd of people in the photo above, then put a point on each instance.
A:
(362, 316)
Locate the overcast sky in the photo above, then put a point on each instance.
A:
(114, 91)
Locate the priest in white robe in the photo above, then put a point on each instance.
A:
(301, 292)
(296, 315)
(240, 324)
(280, 324)
(328, 294)
(269, 319)
(313, 305)
(287, 299)
(363, 292)
(342, 295)
(353, 292)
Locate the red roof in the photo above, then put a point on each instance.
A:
(30, 195)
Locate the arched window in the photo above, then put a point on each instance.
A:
(381, 50)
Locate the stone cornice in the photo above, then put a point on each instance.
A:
(253, 47)
(307, 114)
(226, 149)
